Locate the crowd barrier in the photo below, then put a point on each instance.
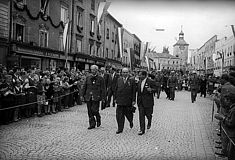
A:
(36, 102)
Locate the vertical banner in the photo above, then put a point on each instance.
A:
(92, 26)
(232, 26)
(129, 57)
(147, 61)
(120, 41)
(100, 11)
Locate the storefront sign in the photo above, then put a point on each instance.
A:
(37, 53)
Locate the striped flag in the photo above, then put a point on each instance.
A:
(65, 34)
(120, 41)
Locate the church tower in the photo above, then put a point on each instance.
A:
(180, 49)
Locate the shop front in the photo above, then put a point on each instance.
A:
(29, 57)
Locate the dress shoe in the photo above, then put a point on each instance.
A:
(220, 154)
(218, 142)
(91, 127)
(141, 133)
(131, 125)
(98, 124)
(118, 132)
(218, 134)
(148, 126)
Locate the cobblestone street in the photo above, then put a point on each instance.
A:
(180, 130)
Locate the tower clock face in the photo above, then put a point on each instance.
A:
(181, 47)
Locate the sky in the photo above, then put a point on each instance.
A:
(200, 20)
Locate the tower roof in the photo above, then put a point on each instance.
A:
(181, 33)
(180, 42)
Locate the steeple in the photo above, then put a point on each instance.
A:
(181, 34)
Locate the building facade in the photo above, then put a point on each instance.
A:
(224, 55)
(209, 51)
(137, 47)
(194, 59)
(180, 50)
(166, 61)
(4, 30)
(128, 42)
(110, 42)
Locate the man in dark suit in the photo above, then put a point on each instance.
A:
(194, 86)
(145, 100)
(113, 82)
(107, 81)
(125, 97)
(93, 92)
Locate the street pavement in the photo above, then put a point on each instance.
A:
(180, 130)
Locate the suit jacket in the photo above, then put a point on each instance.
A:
(125, 93)
(158, 80)
(107, 80)
(145, 97)
(172, 82)
(94, 88)
(113, 81)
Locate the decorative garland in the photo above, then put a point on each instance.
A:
(40, 14)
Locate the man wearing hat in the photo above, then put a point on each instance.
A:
(228, 122)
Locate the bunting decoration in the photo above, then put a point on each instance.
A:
(39, 15)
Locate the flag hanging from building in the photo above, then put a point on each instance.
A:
(65, 34)
(129, 56)
(120, 46)
(147, 61)
(233, 30)
(146, 49)
(102, 10)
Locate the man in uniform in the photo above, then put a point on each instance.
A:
(194, 85)
(93, 92)
(145, 100)
(171, 84)
(159, 81)
(125, 97)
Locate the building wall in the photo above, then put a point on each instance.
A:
(201, 58)
(182, 53)
(209, 51)
(128, 42)
(226, 46)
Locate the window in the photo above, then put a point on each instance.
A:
(43, 38)
(19, 32)
(79, 18)
(93, 5)
(92, 25)
(79, 45)
(90, 46)
(107, 53)
(107, 34)
(64, 14)
(112, 37)
(61, 47)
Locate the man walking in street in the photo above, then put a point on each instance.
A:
(111, 88)
(194, 85)
(145, 100)
(159, 81)
(93, 92)
(125, 97)
(171, 84)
